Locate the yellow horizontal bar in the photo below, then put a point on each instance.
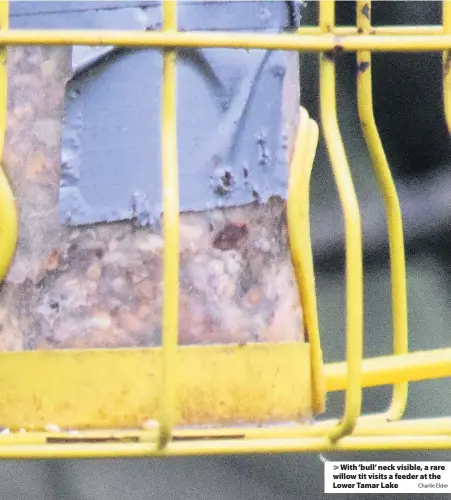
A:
(376, 30)
(315, 43)
(119, 388)
(224, 447)
(365, 427)
(387, 370)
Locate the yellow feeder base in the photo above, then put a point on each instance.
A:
(119, 388)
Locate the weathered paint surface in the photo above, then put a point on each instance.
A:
(232, 137)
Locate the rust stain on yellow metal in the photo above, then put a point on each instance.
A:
(119, 388)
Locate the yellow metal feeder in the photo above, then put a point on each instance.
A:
(108, 396)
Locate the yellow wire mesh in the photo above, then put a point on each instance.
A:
(352, 432)
(394, 218)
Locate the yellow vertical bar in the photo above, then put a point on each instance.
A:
(353, 233)
(446, 14)
(8, 213)
(4, 25)
(298, 219)
(170, 230)
(392, 207)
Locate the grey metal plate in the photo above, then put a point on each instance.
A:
(232, 139)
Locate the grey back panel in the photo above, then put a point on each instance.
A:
(231, 138)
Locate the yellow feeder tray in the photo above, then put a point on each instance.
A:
(120, 388)
(106, 400)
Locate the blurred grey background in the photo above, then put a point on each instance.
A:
(407, 93)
